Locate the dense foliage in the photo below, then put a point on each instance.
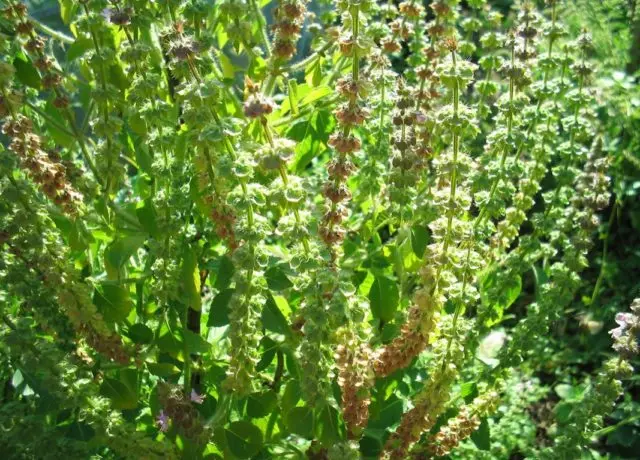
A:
(330, 230)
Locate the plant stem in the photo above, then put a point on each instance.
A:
(605, 247)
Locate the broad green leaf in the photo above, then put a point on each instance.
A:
(225, 272)
(482, 436)
(508, 291)
(328, 426)
(314, 95)
(196, 343)
(276, 279)
(163, 369)
(261, 404)
(419, 240)
(228, 71)
(384, 297)
(387, 413)
(299, 420)
(113, 302)
(273, 319)
(117, 77)
(68, 9)
(80, 431)
(243, 439)
(291, 395)
(121, 396)
(59, 136)
(26, 72)
(147, 217)
(219, 311)
(79, 47)
(121, 249)
(141, 334)
(370, 446)
(269, 347)
(169, 343)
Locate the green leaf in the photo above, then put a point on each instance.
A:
(139, 333)
(121, 250)
(273, 319)
(293, 95)
(225, 273)
(276, 279)
(243, 439)
(26, 73)
(315, 94)
(269, 349)
(328, 426)
(299, 420)
(389, 413)
(419, 240)
(261, 404)
(147, 217)
(291, 396)
(228, 71)
(169, 343)
(78, 48)
(163, 369)
(540, 277)
(191, 280)
(196, 343)
(80, 431)
(113, 302)
(67, 10)
(219, 311)
(121, 396)
(117, 77)
(384, 298)
(482, 436)
(59, 136)
(509, 290)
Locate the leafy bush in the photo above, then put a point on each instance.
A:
(217, 242)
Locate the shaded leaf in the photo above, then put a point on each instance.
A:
(121, 396)
(243, 439)
(384, 297)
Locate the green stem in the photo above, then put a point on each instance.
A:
(308, 60)
(263, 27)
(51, 32)
(605, 248)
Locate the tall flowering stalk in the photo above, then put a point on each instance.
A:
(602, 393)
(451, 198)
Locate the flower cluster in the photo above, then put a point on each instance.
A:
(34, 45)
(354, 378)
(463, 425)
(179, 410)
(288, 20)
(626, 334)
(602, 393)
(350, 114)
(50, 175)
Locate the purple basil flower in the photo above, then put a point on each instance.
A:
(163, 421)
(106, 14)
(623, 320)
(196, 398)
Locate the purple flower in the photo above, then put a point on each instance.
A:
(196, 398)
(623, 320)
(106, 14)
(163, 421)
